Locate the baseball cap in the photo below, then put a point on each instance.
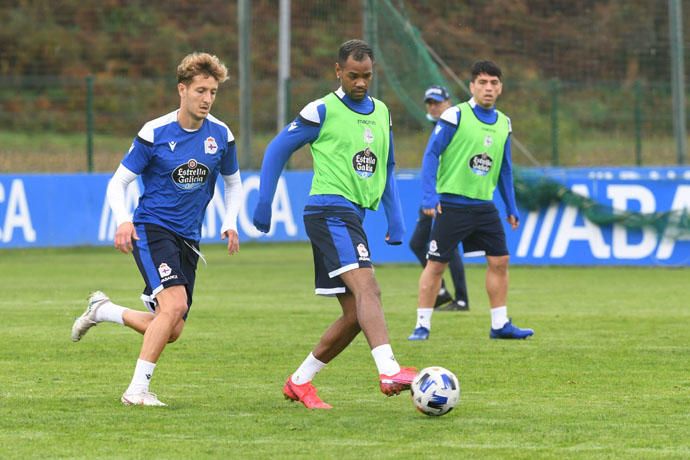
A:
(437, 93)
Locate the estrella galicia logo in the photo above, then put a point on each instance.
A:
(190, 175)
(481, 164)
(364, 163)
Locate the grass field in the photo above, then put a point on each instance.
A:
(605, 376)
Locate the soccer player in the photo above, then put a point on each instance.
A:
(467, 156)
(437, 100)
(352, 147)
(179, 157)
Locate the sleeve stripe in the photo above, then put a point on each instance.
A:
(307, 122)
(141, 140)
(451, 116)
(447, 123)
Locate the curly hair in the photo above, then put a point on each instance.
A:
(201, 64)
(358, 49)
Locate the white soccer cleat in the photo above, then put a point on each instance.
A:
(87, 320)
(144, 398)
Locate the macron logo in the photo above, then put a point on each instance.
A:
(293, 125)
(172, 145)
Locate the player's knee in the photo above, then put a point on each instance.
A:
(499, 264)
(177, 332)
(174, 336)
(374, 291)
(425, 284)
(350, 319)
(435, 268)
(369, 295)
(175, 310)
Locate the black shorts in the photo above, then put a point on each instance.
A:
(164, 259)
(478, 227)
(339, 245)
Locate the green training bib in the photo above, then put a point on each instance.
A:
(351, 153)
(471, 164)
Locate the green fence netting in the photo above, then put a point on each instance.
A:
(409, 68)
(534, 191)
(407, 65)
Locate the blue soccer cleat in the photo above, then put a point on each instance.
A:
(421, 333)
(508, 331)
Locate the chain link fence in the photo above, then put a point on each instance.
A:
(586, 82)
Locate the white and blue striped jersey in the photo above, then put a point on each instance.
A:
(179, 169)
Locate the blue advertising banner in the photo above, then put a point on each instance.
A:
(561, 235)
(39, 210)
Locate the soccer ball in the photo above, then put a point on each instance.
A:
(435, 391)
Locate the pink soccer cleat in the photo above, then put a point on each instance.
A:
(393, 384)
(305, 393)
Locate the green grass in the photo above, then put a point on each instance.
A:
(54, 152)
(605, 376)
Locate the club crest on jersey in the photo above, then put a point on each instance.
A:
(364, 163)
(368, 136)
(481, 163)
(190, 175)
(210, 146)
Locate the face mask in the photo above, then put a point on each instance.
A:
(430, 118)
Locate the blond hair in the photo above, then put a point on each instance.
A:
(201, 64)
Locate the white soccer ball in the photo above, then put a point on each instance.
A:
(435, 391)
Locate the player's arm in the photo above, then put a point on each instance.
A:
(132, 165)
(304, 129)
(438, 141)
(115, 194)
(230, 172)
(506, 187)
(391, 201)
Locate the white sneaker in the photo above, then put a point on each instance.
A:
(145, 398)
(87, 320)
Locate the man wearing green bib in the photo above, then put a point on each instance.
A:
(352, 148)
(467, 157)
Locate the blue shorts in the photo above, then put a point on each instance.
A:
(164, 259)
(339, 245)
(478, 227)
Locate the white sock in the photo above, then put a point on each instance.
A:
(499, 317)
(110, 312)
(307, 370)
(385, 361)
(142, 377)
(424, 317)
